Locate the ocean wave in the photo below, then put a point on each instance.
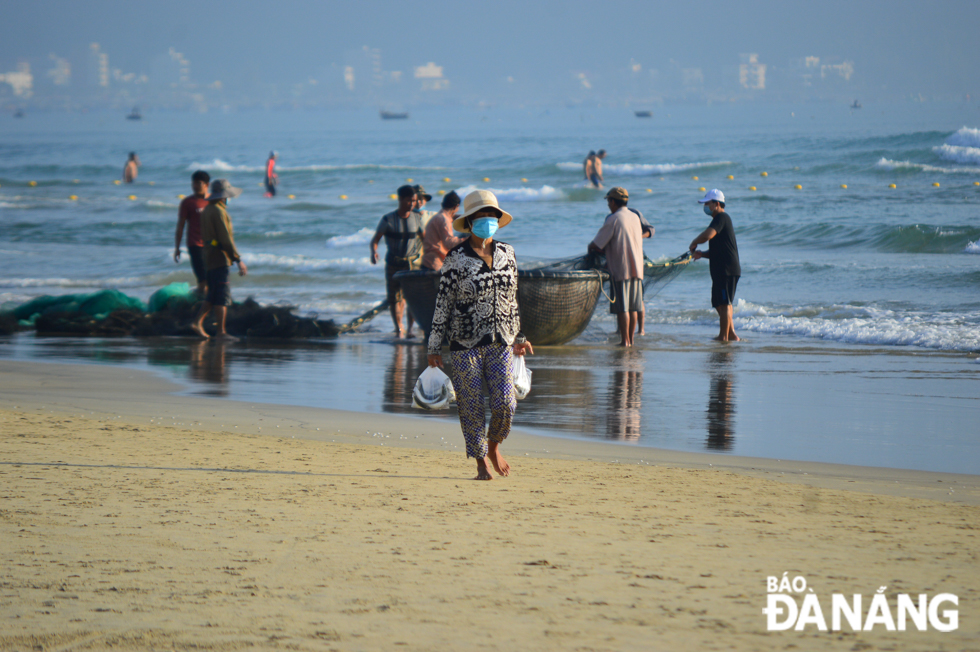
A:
(958, 154)
(848, 324)
(888, 164)
(305, 263)
(362, 237)
(223, 166)
(125, 282)
(901, 238)
(973, 248)
(645, 169)
(155, 203)
(965, 137)
(544, 193)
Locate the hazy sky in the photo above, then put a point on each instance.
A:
(900, 46)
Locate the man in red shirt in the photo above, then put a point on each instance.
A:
(189, 213)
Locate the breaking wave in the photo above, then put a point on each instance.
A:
(544, 193)
(909, 166)
(645, 169)
(362, 237)
(307, 264)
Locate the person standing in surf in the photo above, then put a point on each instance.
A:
(722, 255)
(587, 166)
(402, 232)
(189, 213)
(596, 176)
(131, 171)
(476, 309)
(271, 178)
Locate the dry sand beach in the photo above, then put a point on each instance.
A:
(135, 519)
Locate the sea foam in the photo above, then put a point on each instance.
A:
(959, 154)
(305, 263)
(645, 169)
(888, 164)
(965, 137)
(544, 193)
(362, 237)
(973, 248)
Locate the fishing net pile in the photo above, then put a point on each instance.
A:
(656, 274)
(170, 311)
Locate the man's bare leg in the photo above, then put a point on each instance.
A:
(221, 314)
(634, 319)
(500, 465)
(396, 309)
(198, 324)
(623, 320)
(732, 337)
(726, 332)
(482, 470)
(411, 321)
(641, 318)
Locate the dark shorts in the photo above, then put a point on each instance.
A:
(219, 290)
(393, 286)
(723, 290)
(270, 188)
(627, 296)
(594, 178)
(197, 262)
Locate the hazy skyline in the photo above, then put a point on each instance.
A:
(534, 50)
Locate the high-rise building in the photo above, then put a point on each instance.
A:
(751, 73)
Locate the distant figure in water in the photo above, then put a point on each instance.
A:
(132, 168)
(596, 176)
(722, 254)
(588, 166)
(271, 178)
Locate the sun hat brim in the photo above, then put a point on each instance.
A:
(459, 224)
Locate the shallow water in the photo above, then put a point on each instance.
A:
(854, 405)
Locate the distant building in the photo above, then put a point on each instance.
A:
(60, 74)
(431, 76)
(21, 80)
(751, 73)
(98, 67)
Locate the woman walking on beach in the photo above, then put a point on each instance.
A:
(477, 304)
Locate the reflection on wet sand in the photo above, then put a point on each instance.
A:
(623, 418)
(207, 364)
(721, 401)
(407, 363)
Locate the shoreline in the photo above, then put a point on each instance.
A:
(137, 396)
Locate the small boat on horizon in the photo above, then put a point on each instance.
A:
(643, 114)
(19, 113)
(392, 115)
(856, 105)
(135, 114)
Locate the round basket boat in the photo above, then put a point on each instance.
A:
(555, 306)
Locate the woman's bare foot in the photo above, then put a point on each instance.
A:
(199, 331)
(482, 472)
(500, 465)
(399, 334)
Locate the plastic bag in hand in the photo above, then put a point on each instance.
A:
(522, 378)
(433, 390)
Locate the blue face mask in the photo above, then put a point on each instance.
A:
(484, 227)
(707, 211)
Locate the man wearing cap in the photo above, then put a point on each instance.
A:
(421, 199)
(219, 254)
(722, 255)
(621, 241)
(402, 231)
(438, 239)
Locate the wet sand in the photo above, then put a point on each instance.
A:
(199, 530)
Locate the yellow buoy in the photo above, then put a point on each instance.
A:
(731, 176)
(751, 187)
(291, 196)
(132, 198)
(409, 180)
(798, 187)
(441, 192)
(976, 183)
(763, 174)
(446, 179)
(892, 185)
(936, 184)
(342, 196)
(153, 183)
(701, 188)
(181, 196)
(392, 196)
(649, 189)
(844, 186)
(523, 180)
(74, 180)
(370, 180)
(117, 182)
(73, 197)
(32, 183)
(695, 178)
(486, 179)
(661, 178)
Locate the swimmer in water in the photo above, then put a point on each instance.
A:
(132, 168)
(271, 178)
(596, 176)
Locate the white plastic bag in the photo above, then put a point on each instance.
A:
(433, 390)
(522, 378)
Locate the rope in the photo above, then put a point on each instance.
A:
(366, 317)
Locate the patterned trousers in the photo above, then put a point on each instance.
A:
(493, 363)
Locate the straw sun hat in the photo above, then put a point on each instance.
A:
(476, 201)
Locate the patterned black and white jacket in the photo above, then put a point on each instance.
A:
(477, 305)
